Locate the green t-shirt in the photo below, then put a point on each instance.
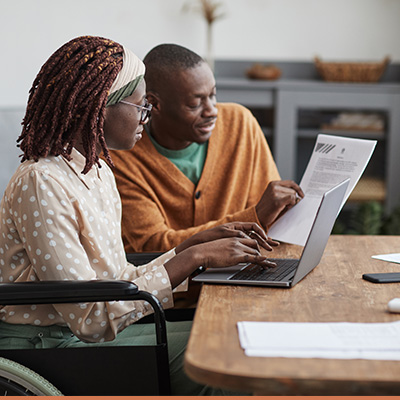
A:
(189, 160)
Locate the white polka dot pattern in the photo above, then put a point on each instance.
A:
(57, 224)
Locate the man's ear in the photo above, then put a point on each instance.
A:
(153, 99)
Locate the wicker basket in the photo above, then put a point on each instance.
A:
(264, 72)
(351, 72)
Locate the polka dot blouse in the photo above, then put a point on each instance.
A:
(58, 224)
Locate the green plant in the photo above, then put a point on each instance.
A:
(339, 228)
(368, 219)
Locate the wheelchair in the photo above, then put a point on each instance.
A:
(135, 370)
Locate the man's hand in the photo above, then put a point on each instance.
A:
(278, 197)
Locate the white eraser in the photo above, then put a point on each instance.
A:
(394, 305)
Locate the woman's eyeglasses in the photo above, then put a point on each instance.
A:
(145, 110)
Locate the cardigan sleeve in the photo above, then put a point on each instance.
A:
(263, 169)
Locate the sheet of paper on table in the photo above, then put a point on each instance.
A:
(336, 340)
(334, 159)
(395, 257)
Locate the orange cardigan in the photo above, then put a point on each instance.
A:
(161, 207)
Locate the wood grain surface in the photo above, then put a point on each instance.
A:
(334, 291)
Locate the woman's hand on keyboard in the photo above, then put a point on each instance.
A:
(229, 230)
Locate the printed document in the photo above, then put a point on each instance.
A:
(334, 159)
(339, 340)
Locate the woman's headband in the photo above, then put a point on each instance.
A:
(128, 79)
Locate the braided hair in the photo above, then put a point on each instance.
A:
(68, 98)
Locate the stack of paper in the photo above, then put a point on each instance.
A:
(340, 340)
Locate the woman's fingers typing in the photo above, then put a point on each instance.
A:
(265, 243)
(231, 251)
(252, 230)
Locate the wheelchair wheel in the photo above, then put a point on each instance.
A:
(17, 380)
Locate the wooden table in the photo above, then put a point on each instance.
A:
(334, 291)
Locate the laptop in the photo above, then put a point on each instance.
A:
(288, 271)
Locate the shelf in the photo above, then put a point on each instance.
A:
(361, 134)
(369, 189)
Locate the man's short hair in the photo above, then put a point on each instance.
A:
(166, 58)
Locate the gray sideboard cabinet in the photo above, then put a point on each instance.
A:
(299, 91)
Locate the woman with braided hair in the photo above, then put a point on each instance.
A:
(67, 100)
(61, 212)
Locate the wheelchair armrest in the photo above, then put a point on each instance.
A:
(56, 292)
(143, 258)
(52, 292)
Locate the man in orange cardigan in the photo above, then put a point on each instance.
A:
(199, 164)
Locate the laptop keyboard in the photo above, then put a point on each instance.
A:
(285, 269)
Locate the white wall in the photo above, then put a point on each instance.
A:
(261, 29)
(252, 29)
